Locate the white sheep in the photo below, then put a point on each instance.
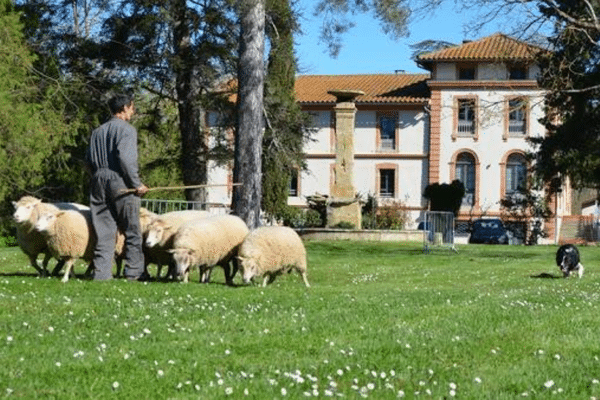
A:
(269, 251)
(32, 243)
(207, 242)
(70, 236)
(158, 237)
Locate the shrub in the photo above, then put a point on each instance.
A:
(344, 225)
(295, 217)
(391, 215)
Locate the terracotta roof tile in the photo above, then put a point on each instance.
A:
(378, 88)
(492, 48)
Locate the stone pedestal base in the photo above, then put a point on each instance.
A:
(344, 211)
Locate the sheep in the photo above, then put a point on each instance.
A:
(158, 237)
(207, 242)
(32, 243)
(269, 251)
(70, 236)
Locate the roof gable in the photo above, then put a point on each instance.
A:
(378, 88)
(497, 47)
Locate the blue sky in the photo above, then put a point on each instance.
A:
(366, 49)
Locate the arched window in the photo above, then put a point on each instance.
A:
(516, 174)
(465, 172)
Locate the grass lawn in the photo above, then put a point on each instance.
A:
(381, 321)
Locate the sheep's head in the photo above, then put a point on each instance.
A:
(24, 208)
(156, 230)
(146, 218)
(183, 260)
(248, 268)
(45, 221)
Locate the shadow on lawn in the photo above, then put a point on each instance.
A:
(545, 275)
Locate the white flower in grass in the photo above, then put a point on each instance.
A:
(228, 391)
(452, 385)
(115, 385)
(246, 392)
(400, 393)
(477, 379)
(50, 329)
(328, 393)
(595, 381)
(370, 386)
(283, 391)
(307, 394)
(549, 384)
(197, 387)
(58, 364)
(340, 372)
(160, 373)
(9, 338)
(227, 352)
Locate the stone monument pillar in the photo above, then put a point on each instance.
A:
(343, 205)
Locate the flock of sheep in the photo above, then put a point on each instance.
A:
(180, 240)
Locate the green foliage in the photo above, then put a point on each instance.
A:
(33, 131)
(300, 218)
(526, 211)
(344, 225)
(570, 74)
(159, 145)
(286, 131)
(445, 197)
(390, 215)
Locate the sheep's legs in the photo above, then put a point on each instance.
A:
(303, 275)
(34, 264)
(69, 266)
(59, 265)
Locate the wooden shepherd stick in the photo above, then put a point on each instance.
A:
(125, 191)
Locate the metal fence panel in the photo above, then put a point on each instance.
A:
(163, 206)
(439, 228)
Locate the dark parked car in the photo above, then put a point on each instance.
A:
(490, 231)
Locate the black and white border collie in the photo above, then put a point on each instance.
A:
(567, 259)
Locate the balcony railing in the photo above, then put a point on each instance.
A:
(466, 127)
(516, 127)
(387, 144)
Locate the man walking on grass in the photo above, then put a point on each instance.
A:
(112, 158)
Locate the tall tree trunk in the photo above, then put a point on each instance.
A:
(191, 114)
(249, 134)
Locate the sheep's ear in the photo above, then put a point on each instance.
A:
(172, 251)
(14, 203)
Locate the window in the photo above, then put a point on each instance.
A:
(387, 183)
(294, 191)
(466, 72)
(517, 72)
(386, 129)
(466, 117)
(465, 172)
(516, 174)
(517, 117)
